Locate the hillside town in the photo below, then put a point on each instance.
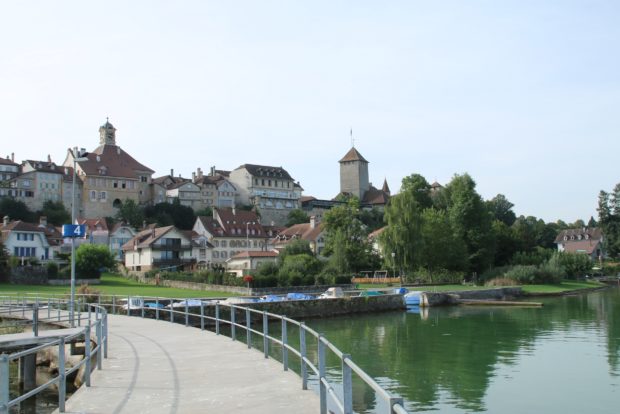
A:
(249, 207)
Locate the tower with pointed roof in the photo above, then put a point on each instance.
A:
(354, 174)
(107, 134)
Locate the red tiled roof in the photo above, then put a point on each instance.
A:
(116, 161)
(593, 233)
(252, 254)
(353, 155)
(377, 233)
(375, 196)
(147, 237)
(6, 161)
(302, 231)
(587, 246)
(233, 225)
(266, 171)
(93, 223)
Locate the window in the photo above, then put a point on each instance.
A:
(103, 196)
(224, 255)
(26, 183)
(143, 179)
(216, 254)
(93, 195)
(115, 184)
(223, 243)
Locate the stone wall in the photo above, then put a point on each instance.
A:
(322, 308)
(452, 298)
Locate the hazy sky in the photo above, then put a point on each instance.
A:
(523, 95)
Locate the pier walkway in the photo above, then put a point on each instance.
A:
(159, 367)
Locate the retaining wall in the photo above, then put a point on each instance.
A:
(451, 298)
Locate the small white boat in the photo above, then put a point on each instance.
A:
(332, 293)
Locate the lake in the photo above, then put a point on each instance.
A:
(561, 358)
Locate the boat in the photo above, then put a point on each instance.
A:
(413, 298)
(299, 296)
(332, 293)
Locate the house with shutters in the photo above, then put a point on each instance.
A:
(245, 263)
(311, 232)
(31, 241)
(230, 231)
(585, 240)
(270, 189)
(119, 235)
(165, 248)
(109, 176)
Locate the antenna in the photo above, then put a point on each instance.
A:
(352, 139)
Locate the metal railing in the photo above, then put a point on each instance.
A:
(54, 312)
(236, 317)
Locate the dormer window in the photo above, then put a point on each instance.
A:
(565, 238)
(579, 237)
(587, 236)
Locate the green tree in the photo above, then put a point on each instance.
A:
(501, 209)
(417, 185)
(441, 248)
(471, 221)
(343, 225)
(166, 214)
(372, 219)
(4, 263)
(295, 247)
(609, 219)
(92, 259)
(402, 235)
(297, 216)
(55, 212)
(205, 212)
(296, 268)
(506, 243)
(131, 213)
(16, 210)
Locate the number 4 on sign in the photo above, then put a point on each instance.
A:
(77, 232)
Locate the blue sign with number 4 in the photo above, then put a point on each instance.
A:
(74, 230)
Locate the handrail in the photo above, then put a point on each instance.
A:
(144, 305)
(97, 320)
(327, 388)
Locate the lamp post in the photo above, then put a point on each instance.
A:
(77, 156)
(394, 263)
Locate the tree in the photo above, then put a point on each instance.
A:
(372, 219)
(205, 212)
(471, 221)
(4, 263)
(609, 219)
(344, 229)
(295, 247)
(92, 259)
(55, 212)
(402, 235)
(166, 214)
(297, 216)
(501, 209)
(16, 210)
(441, 249)
(417, 185)
(131, 213)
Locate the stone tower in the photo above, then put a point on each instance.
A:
(107, 134)
(354, 174)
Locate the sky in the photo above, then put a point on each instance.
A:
(521, 94)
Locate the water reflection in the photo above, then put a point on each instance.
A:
(469, 359)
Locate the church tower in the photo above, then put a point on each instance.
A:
(354, 174)
(107, 134)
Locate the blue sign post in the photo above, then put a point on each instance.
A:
(73, 230)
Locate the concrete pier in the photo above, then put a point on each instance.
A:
(161, 367)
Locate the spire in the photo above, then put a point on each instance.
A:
(107, 133)
(385, 188)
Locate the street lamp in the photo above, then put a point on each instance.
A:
(78, 156)
(394, 263)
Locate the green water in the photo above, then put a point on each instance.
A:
(562, 358)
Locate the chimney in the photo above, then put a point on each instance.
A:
(43, 221)
(171, 172)
(234, 211)
(193, 176)
(5, 222)
(312, 222)
(49, 158)
(199, 172)
(13, 156)
(118, 150)
(212, 170)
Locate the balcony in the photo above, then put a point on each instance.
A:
(171, 247)
(173, 262)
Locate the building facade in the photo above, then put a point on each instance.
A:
(165, 248)
(270, 189)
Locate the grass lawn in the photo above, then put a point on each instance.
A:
(114, 285)
(565, 286)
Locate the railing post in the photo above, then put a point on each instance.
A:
(392, 401)
(35, 319)
(171, 311)
(186, 314)
(113, 304)
(322, 387)
(58, 308)
(4, 383)
(99, 343)
(105, 335)
(265, 334)
(23, 308)
(62, 381)
(284, 345)
(87, 353)
(202, 316)
(156, 308)
(347, 385)
(142, 309)
(49, 310)
(302, 351)
(248, 327)
(128, 306)
(79, 312)
(217, 318)
(233, 331)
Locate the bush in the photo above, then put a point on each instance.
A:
(265, 281)
(439, 276)
(87, 294)
(52, 270)
(342, 280)
(574, 264)
(522, 274)
(495, 273)
(92, 259)
(500, 281)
